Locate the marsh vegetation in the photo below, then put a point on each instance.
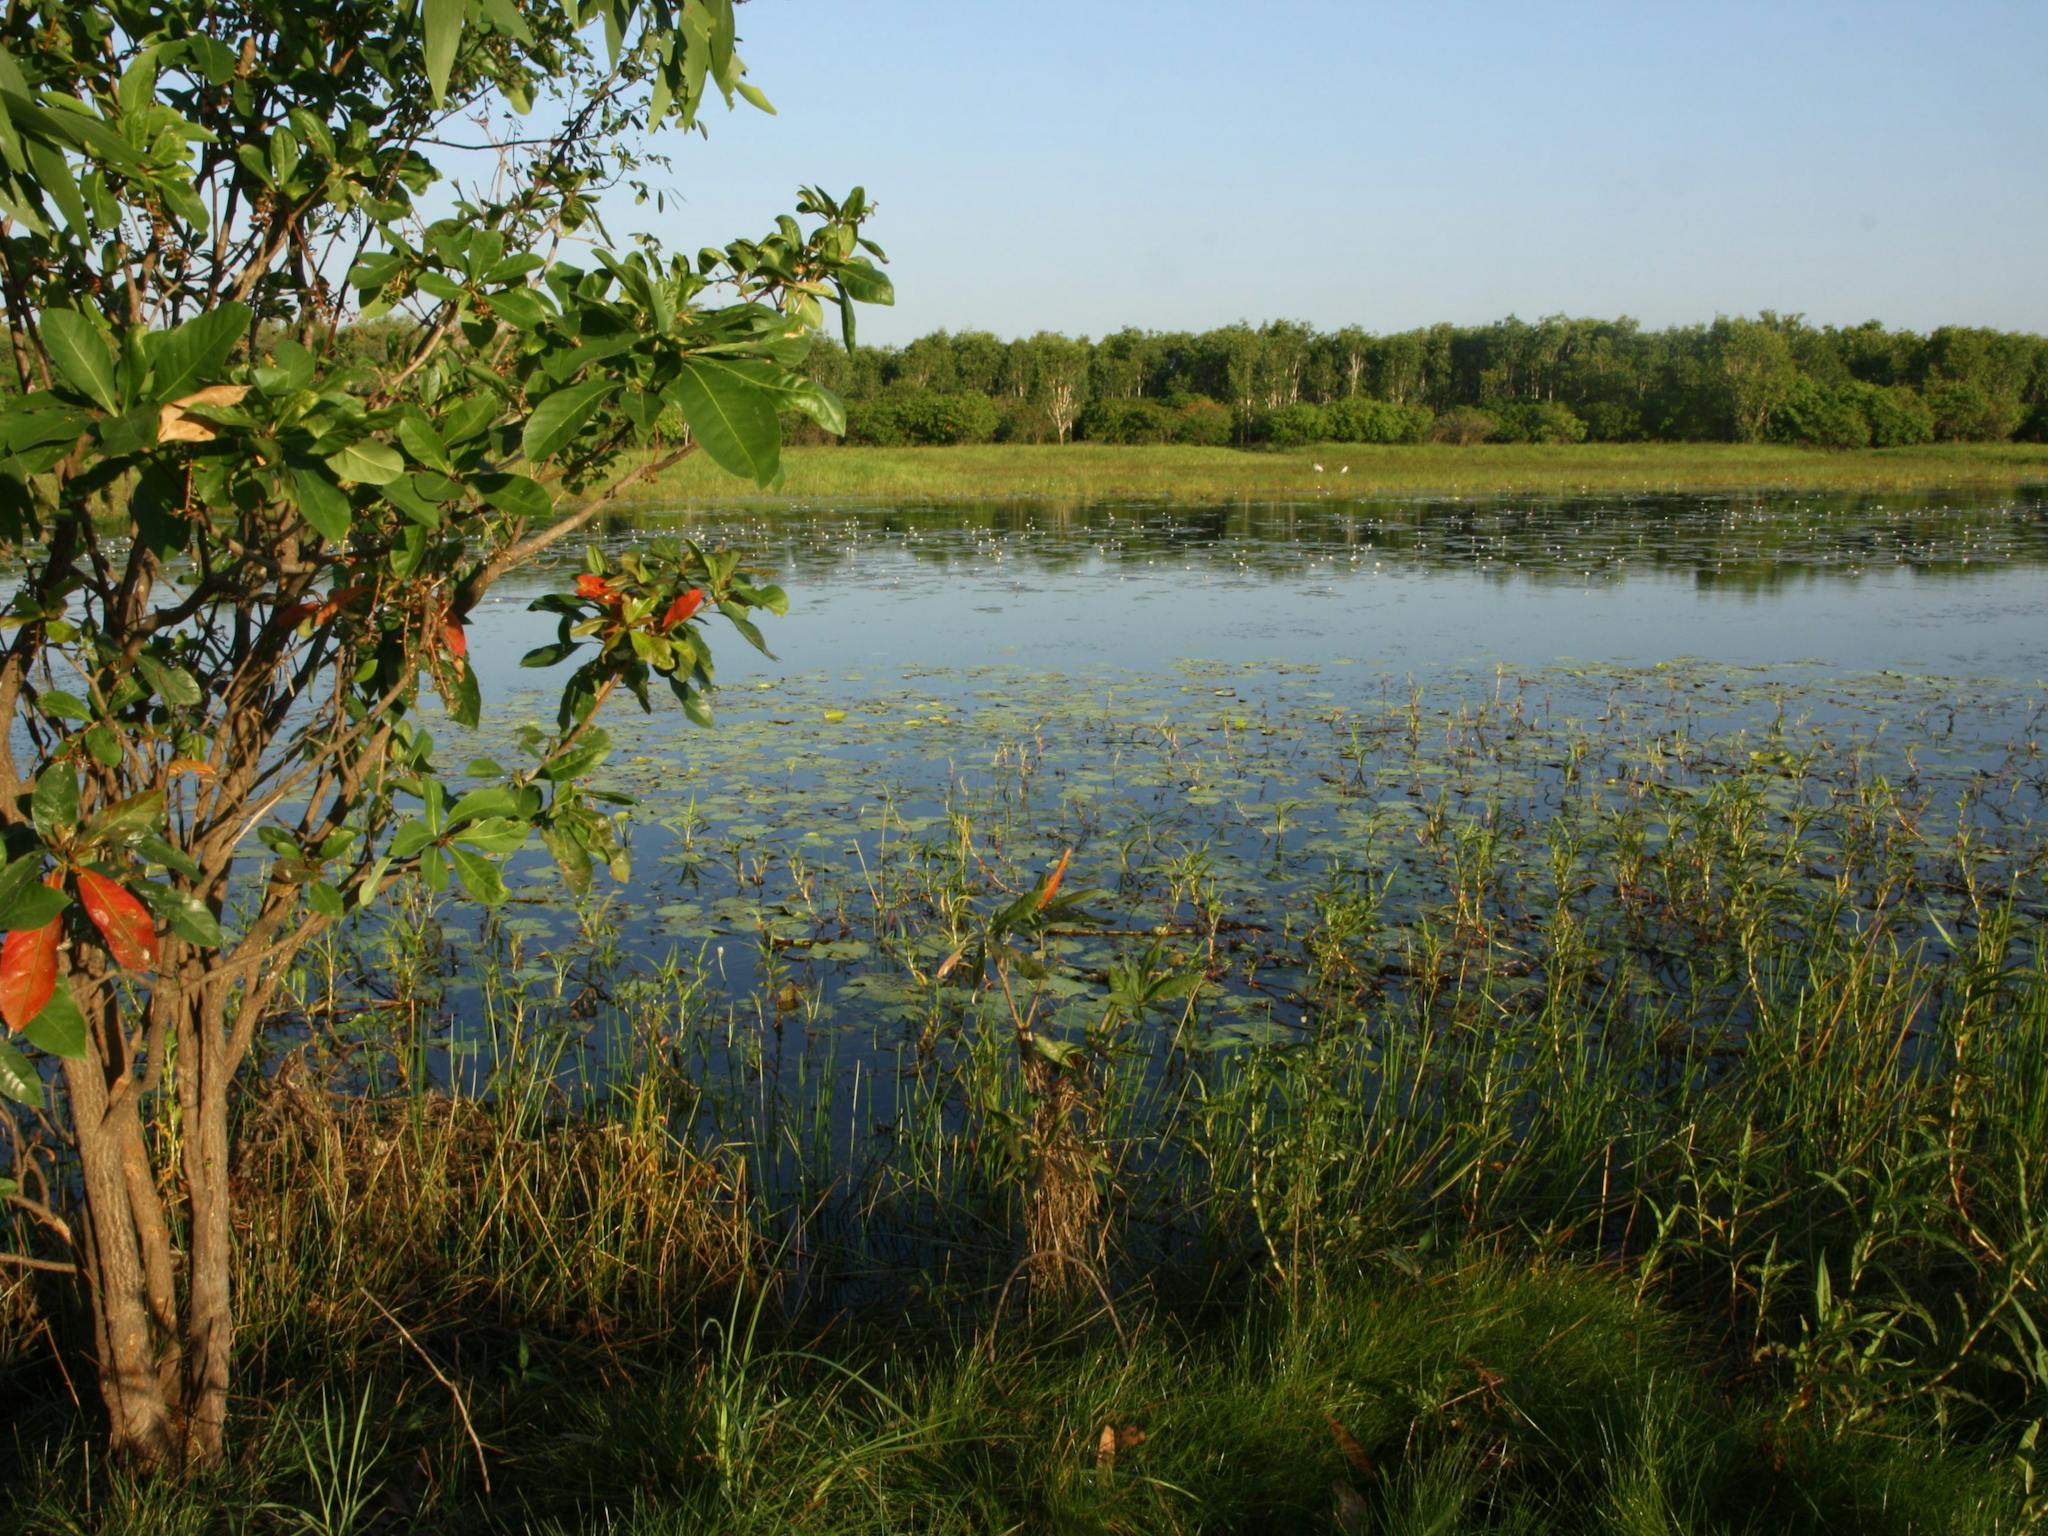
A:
(1474, 1066)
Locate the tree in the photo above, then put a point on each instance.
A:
(1059, 379)
(1759, 371)
(243, 548)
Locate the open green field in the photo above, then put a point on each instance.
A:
(1085, 472)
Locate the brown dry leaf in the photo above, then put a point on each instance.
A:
(189, 765)
(174, 426)
(1129, 1436)
(1105, 1448)
(213, 394)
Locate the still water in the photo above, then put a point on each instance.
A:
(1930, 586)
(1233, 710)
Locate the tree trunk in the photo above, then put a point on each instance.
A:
(142, 1414)
(203, 1073)
(162, 1357)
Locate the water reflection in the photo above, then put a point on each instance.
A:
(1928, 584)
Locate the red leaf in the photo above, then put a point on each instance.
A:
(28, 968)
(597, 587)
(456, 639)
(122, 921)
(682, 608)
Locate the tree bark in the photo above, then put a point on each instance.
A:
(204, 1071)
(141, 1417)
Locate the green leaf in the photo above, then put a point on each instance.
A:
(323, 503)
(185, 914)
(54, 805)
(25, 902)
(557, 419)
(491, 800)
(465, 699)
(515, 494)
(444, 19)
(18, 1079)
(191, 356)
(865, 283)
(79, 349)
(819, 403)
(580, 759)
(424, 443)
(409, 840)
(732, 416)
(497, 834)
(503, 15)
(174, 685)
(60, 1027)
(368, 462)
(157, 851)
(479, 875)
(284, 155)
(122, 823)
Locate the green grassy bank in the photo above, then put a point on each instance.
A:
(1085, 472)
(1473, 1398)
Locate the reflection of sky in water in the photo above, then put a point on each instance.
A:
(1198, 679)
(1867, 585)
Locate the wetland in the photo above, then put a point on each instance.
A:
(1138, 1011)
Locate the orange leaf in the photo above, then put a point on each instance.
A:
(682, 608)
(123, 921)
(598, 588)
(454, 637)
(28, 967)
(1052, 886)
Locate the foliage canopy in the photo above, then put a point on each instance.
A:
(243, 543)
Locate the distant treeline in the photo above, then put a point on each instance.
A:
(1772, 378)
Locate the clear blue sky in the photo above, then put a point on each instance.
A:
(1081, 166)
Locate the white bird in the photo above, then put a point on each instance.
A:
(1319, 469)
(1345, 470)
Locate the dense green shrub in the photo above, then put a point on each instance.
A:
(941, 419)
(1358, 419)
(1613, 421)
(925, 418)
(1966, 412)
(1201, 422)
(1898, 417)
(1464, 425)
(1019, 420)
(1820, 417)
(1292, 426)
(1538, 421)
(1129, 421)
